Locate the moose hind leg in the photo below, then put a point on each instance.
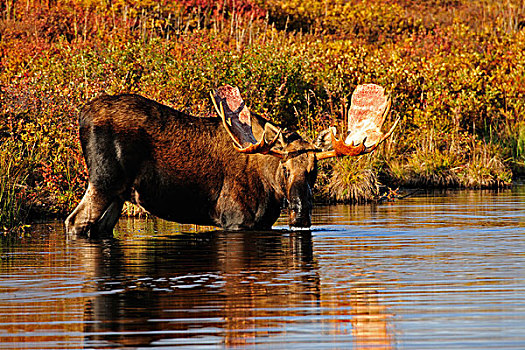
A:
(90, 209)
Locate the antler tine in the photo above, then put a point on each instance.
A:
(262, 146)
(385, 136)
(389, 104)
(385, 113)
(343, 149)
(278, 135)
(220, 111)
(340, 148)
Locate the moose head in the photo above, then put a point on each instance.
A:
(296, 171)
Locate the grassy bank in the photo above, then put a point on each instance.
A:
(455, 70)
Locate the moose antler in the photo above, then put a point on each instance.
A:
(368, 111)
(236, 119)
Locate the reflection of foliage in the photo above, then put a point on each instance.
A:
(457, 81)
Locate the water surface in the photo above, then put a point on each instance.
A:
(433, 271)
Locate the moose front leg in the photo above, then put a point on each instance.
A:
(240, 208)
(231, 215)
(96, 213)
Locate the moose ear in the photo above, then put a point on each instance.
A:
(324, 139)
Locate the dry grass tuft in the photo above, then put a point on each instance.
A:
(485, 169)
(353, 181)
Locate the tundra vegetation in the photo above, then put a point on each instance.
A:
(455, 69)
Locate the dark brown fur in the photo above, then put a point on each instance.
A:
(185, 169)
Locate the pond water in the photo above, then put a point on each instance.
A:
(432, 271)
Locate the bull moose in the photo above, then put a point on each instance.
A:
(234, 172)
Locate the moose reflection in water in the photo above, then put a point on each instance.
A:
(185, 169)
(218, 287)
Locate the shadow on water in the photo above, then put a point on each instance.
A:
(440, 271)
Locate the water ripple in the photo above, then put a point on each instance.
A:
(445, 270)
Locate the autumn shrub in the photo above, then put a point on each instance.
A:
(13, 188)
(366, 19)
(458, 84)
(379, 20)
(50, 158)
